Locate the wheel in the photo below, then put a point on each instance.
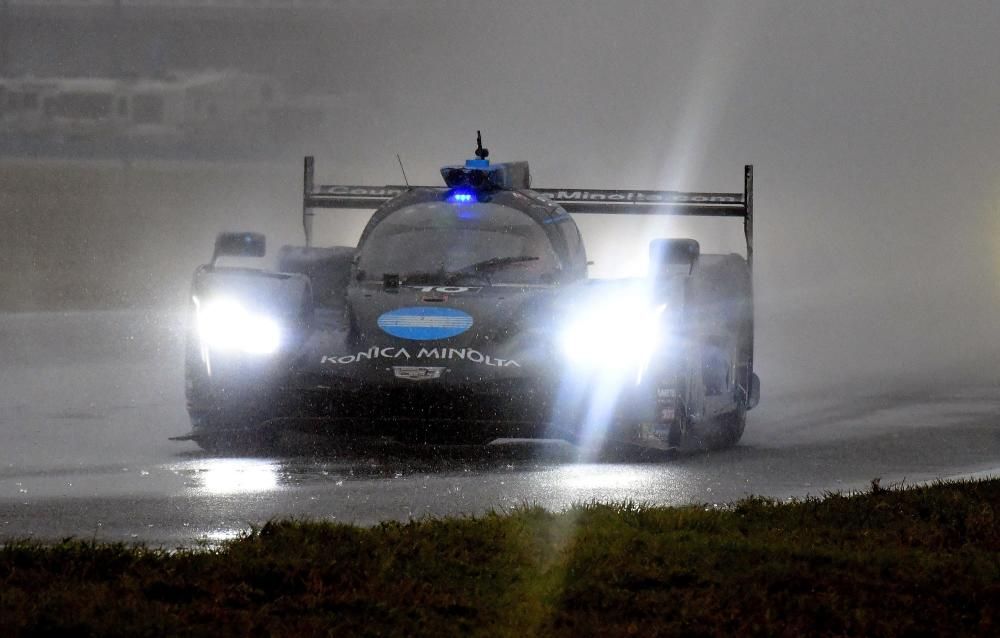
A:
(678, 433)
(723, 431)
(222, 431)
(224, 428)
(237, 442)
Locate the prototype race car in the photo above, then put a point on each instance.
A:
(465, 314)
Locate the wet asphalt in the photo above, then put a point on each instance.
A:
(88, 401)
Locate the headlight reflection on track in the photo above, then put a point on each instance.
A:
(651, 484)
(219, 477)
(588, 477)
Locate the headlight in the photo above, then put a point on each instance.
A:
(224, 324)
(620, 333)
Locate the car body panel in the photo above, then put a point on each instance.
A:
(468, 346)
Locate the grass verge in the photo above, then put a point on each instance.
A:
(888, 562)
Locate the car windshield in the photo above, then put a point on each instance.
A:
(441, 240)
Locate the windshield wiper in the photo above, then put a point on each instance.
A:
(441, 277)
(478, 270)
(482, 268)
(495, 263)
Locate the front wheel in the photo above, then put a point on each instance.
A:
(222, 431)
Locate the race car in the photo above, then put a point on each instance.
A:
(465, 314)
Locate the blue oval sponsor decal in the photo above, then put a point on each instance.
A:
(425, 324)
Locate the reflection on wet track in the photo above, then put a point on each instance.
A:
(85, 453)
(233, 476)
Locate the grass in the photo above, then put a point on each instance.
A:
(890, 562)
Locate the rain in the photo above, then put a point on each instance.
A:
(133, 131)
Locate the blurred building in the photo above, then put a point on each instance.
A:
(146, 38)
(199, 74)
(200, 111)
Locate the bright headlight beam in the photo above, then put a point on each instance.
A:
(224, 324)
(614, 336)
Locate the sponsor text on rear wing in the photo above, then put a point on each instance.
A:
(620, 202)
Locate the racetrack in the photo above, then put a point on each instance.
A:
(87, 401)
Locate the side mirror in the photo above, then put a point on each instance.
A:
(239, 245)
(665, 253)
(754, 397)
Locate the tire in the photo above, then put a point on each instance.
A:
(234, 446)
(724, 431)
(222, 435)
(223, 430)
(679, 433)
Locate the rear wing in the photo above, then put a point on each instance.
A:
(618, 202)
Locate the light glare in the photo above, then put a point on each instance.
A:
(226, 325)
(238, 476)
(614, 335)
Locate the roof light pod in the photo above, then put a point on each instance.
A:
(480, 175)
(505, 176)
(461, 197)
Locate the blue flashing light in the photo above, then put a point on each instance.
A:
(461, 197)
(477, 163)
